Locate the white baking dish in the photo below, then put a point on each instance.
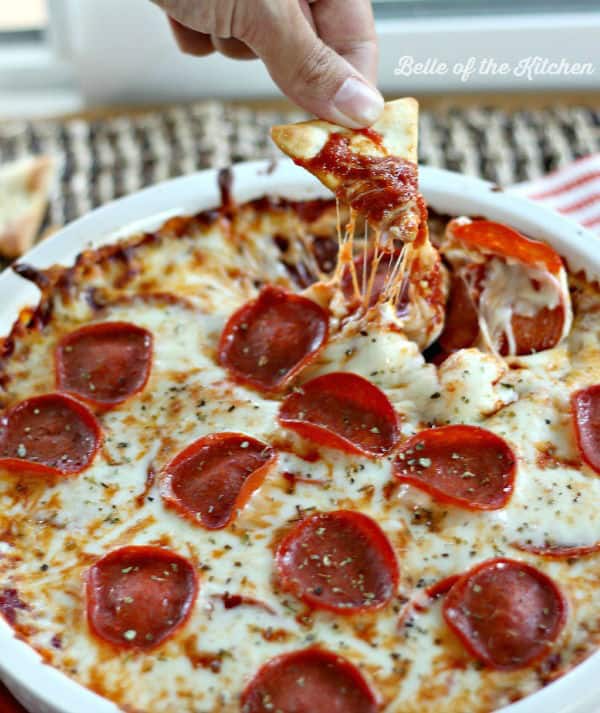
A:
(43, 689)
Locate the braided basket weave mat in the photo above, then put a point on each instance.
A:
(104, 159)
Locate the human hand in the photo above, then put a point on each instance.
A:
(321, 53)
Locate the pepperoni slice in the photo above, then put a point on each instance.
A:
(233, 601)
(461, 327)
(585, 405)
(9, 704)
(498, 239)
(507, 613)
(343, 411)
(461, 465)
(368, 283)
(325, 251)
(48, 435)
(442, 586)
(554, 551)
(340, 561)
(531, 334)
(536, 334)
(425, 598)
(137, 597)
(309, 681)
(270, 339)
(215, 476)
(542, 329)
(104, 363)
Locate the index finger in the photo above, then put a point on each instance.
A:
(348, 27)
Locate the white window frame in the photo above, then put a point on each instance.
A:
(34, 79)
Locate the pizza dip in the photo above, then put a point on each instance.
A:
(307, 457)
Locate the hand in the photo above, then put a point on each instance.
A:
(321, 53)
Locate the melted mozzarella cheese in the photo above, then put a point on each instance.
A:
(474, 386)
(511, 289)
(53, 532)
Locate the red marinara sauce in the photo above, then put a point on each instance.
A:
(374, 186)
(8, 704)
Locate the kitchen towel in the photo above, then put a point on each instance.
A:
(573, 191)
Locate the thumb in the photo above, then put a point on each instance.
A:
(308, 71)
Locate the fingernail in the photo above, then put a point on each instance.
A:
(360, 104)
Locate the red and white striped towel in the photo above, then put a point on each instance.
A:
(573, 191)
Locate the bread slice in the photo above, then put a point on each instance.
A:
(24, 192)
(372, 170)
(398, 128)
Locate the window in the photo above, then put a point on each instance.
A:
(448, 8)
(24, 17)
(33, 79)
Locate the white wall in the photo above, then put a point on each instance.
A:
(122, 51)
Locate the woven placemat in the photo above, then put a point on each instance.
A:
(104, 159)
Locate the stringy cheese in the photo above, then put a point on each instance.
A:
(509, 287)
